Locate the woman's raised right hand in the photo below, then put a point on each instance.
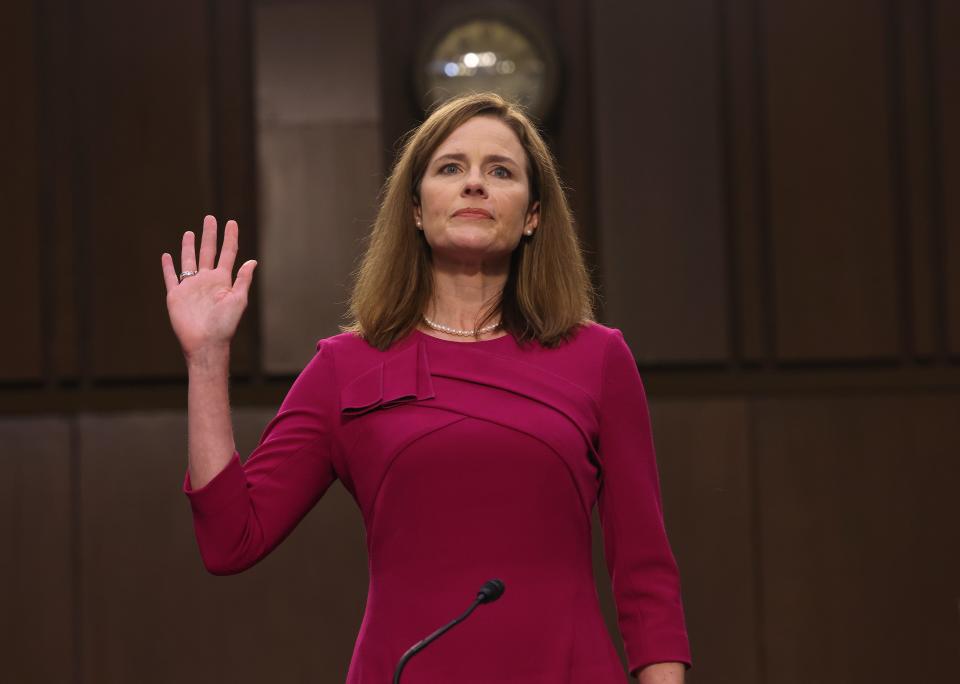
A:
(206, 308)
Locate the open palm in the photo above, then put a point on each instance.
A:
(205, 308)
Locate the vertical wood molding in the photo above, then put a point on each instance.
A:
(76, 548)
(80, 186)
(768, 276)
(23, 358)
(915, 103)
(743, 143)
(895, 59)
(937, 243)
(944, 22)
(754, 487)
(46, 151)
(729, 183)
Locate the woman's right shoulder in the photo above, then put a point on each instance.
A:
(350, 349)
(344, 342)
(348, 346)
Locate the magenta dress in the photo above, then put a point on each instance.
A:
(470, 461)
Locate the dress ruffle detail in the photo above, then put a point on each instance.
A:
(403, 377)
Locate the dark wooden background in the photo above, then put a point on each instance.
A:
(769, 191)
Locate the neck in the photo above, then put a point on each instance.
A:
(461, 296)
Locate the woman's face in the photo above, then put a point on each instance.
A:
(474, 196)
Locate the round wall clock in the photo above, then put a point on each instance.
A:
(498, 47)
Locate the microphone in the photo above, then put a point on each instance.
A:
(489, 592)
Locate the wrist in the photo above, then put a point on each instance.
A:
(662, 673)
(213, 358)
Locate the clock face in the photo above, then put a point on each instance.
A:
(487, 54)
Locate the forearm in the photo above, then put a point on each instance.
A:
(210, 443)
(662, 673)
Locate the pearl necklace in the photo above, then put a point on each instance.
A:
(461, 333)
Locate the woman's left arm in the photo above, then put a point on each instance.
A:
(643, 572)
(662, 673)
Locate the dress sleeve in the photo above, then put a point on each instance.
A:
(246, 510)
(643, 572)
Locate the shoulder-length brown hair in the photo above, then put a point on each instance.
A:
(548, 291)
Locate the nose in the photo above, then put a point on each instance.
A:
(473, 185)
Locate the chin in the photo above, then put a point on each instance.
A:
(463, 247)
(471, 238)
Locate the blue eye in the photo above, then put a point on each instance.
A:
(443, 169)
(506, 172)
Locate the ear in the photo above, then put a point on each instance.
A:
(533, 217)
(417, 214)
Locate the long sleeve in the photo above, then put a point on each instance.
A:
(644, 575)
(247, 510)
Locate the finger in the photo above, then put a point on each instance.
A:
(244, 277)
(169, 273)
(228, 253)
(208, 243)
(188, 252)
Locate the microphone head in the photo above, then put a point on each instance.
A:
(490, 591)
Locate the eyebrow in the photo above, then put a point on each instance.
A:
(489, 158)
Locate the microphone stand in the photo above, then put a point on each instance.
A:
(490, 592)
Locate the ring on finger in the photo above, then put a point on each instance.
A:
(187, 274)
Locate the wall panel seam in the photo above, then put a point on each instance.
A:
(756, 530)
(937, 219)
(899, 199)
(250, 155)
(763, 184)
(45, 194)
(80, 131)
(76, 547)
(727, 180)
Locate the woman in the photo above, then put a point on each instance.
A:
(474, 411)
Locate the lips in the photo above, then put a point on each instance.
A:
(473, 212)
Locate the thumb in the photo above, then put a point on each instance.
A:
(244, 278)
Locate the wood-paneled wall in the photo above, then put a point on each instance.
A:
(816, 538)
(768, 190)
(131, 121)
(775, 180)
(769, 182)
